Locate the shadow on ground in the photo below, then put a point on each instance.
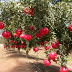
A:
(41, 68)
(35, 67)
(23, 55)
(32, 67)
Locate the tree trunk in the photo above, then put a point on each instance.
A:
(18, 50)
(27, 55)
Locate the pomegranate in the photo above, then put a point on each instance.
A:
(38, 35)
(21, 46)
(47, 62)
(55, 45)
(35, 49)
(44, 31)
(64, 69)
(28, 10)
(1, 25)
(16, 46)
(15, 35)
(28, 37)
(22, 42)
(22, 36)
(41, 43)
(18, 31)
(52, 55)
(70, 27)
(18, 4)
(12, 41)
(31, 27)
(47, 47)
(45, 42)
(24, 46)
(6, 34)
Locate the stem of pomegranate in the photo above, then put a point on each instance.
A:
(27, 50)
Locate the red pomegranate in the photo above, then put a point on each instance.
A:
(18, 3)
(22, 36)
(45, 42)
(15, 35)
(12, 46)
(6, 34)
(47, 47)
(16, 42)
(28, 37)
(24, 46)
(38, 35)
(47, 62)
(70, 27)
(16, 46)
(31, 27)
(64, 69)
(55, 45)
(44, 31)
(22, 42)
(12, 41)
(1, 25)
(28, 10)
(21, 46)
(41, 43)
(35, 49)
(18, 31)
(52, 55)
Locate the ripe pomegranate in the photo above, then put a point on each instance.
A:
(47, 47)
(24, 46)
(22, 42)
(55, 45)
(47, 62)
(12, 41)
(1, 25)
(16, 42)
(21, 46)
(70, 27)
(64, 69)
(16, 46)
(15, 35)
(52, 55)
(28, 10)
(44, 31)
(18, 4)
(6, 34)
(12, 46)
(18, 31)
(38, 35)
(35, 49)
(22, 36)
(45, 42)
(28, 37)
(31, 27)
(41, 43)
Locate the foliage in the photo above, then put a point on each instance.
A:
(55, 17)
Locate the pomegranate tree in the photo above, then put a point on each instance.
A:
(34, 23)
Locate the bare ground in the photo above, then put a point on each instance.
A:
(11, 61)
